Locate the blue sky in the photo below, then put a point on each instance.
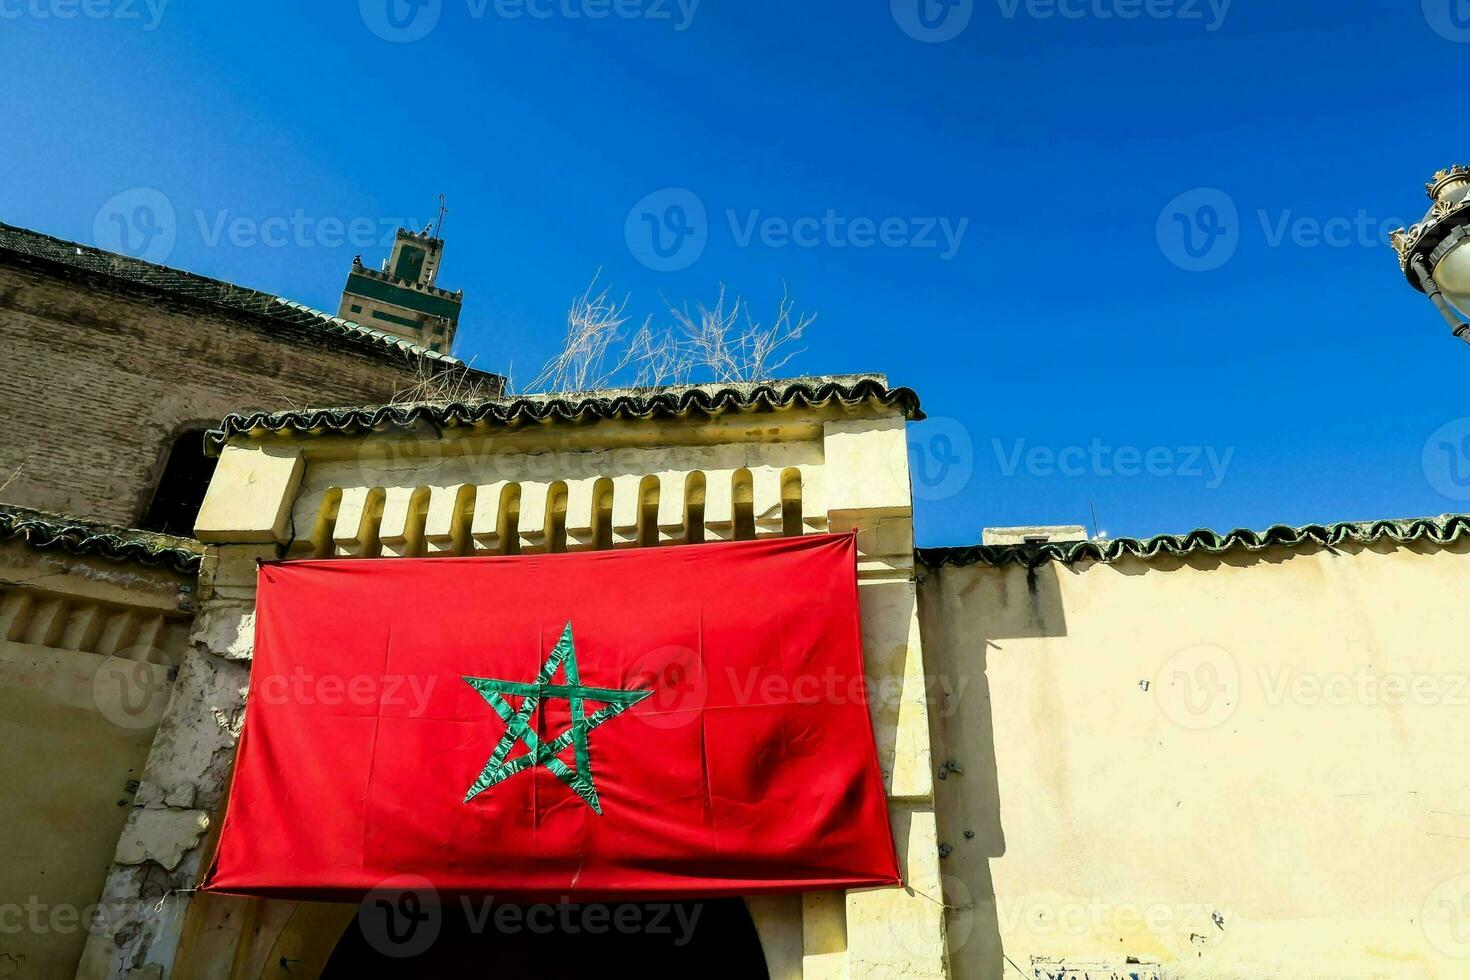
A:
(987, 203)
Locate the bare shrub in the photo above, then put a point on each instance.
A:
(452, 383)
(734, 347)
(721, 342)
(594, 328)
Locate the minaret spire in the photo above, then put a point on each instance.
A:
(439, 225)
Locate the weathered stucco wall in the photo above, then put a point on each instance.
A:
(1252, 767)
(87, 652)
(99, 380)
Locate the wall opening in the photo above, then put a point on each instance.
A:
(180, 491)
(551, 941)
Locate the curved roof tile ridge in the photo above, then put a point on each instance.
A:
(45, 531)
(621, 404)
(1443, 530)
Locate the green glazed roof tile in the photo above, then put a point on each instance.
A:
(1443, 530)
(44, 532)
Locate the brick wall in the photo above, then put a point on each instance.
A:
(99, 377)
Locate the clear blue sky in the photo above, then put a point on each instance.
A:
(1054, 134)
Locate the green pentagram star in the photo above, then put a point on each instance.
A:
(518, 727)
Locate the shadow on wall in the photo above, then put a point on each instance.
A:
(973, 616)
(1020, 602)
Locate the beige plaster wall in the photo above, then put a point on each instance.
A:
(86, 654)
(1253, 767)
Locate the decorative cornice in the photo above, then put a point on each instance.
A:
(85, 539)
(1435, 530)
(424, 236)
(849, 391)
(457, 295)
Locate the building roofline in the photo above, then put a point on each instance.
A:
(626, 404)
(1443, 530)
(80, 538)
(37, 247)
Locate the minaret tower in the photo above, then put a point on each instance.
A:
(401, 298)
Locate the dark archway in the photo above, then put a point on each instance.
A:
(180, 492)
(710, 939)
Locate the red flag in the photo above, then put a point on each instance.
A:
(655, 723)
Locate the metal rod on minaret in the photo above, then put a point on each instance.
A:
(439, 225)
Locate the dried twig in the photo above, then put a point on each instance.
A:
(594, 325)
(733, 353)
(722, 343)
(14, 473)
(454, 383)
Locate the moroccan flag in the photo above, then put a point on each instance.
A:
(653, 723)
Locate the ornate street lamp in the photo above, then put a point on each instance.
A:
(1435, 253)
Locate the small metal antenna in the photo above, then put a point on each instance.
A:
(439, 225)
(1092, 505)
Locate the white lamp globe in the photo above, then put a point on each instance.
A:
(1453, 276)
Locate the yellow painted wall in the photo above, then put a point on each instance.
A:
(66, 767)
(79, 704)
(1254, 767)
